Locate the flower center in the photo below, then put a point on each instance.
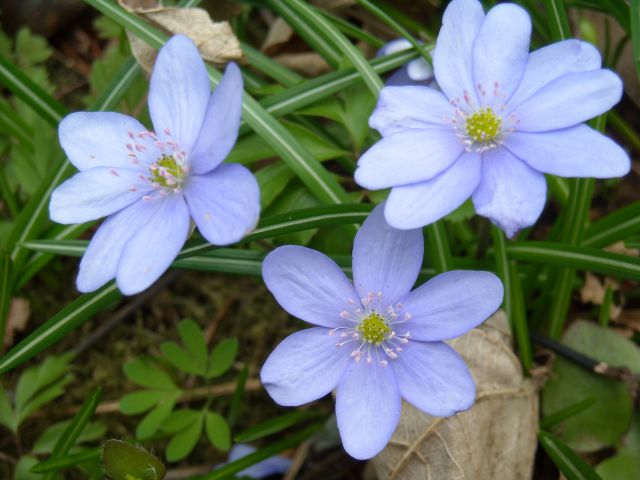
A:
(166, 172)
(484, 126)
(373, 329)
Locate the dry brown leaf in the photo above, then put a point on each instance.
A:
(496, 438)
(279, 33)
(619, 247)
(215, 40)
(19, 313)
(309, 63)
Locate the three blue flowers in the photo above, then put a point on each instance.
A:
(497, 120)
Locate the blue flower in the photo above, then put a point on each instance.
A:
(151, 184)
(416, 72)
(503, 119)
(375, 340)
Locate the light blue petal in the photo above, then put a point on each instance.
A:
(100, 261)
(386, 260)
(553, 61)
(305, 366)
(450, 304)
(572, 152)
(394, 46)
(500, 53)
(275, 465)
(221, 123)
(105, 139)
(154, 245)
(410, 107)
(368, 408)
(434, 378)
(569, 100)
(452, 58)
(179, 92)
(511, 193)
(419, 204)
(407, 157)
(225, 204)
(420, 70)
(309, 285)
(95, 193)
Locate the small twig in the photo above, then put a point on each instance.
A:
(210, 331)
(112, 406)
(125, 311)
(298, 460)
(622, 374)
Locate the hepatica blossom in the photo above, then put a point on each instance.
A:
(415, 72)
(375, 340)
(151, 184)
(502, 119)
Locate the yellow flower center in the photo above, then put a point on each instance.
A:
(167, 172)
(373, 329)
(483, 126)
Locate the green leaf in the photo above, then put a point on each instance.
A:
(626, 463)
(294, 195)
(274, 425)
(124, 462)
(42, 397)
(141, 401)
(93, 455)
(30, 48)
(40, 376)
(7, 417)
(70, 317)
(222, 357)
(218, 431)
(180, 419)
(153, 420)
(565, 413)
(193, 338)
(184, 441)
(570, 464)
(23, 468)
(272, 180)
(180, 358)
(358, 106)
(144, 372)
(92, 431)
(603, 423)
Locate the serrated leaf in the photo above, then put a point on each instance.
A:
(31, 48)
(180, 358)
(44, 444)
(222, 357)
(218, 431)
(153, 420)
(180, 419)
(141, 401)
(193, 338)
(144, 372)
(184, 441)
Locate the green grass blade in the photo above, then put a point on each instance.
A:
(55, 464)
(352, 31)
(269, 67)
(614, 227)
(513, 298)
(438, 243)
(26, 89)
(558, 20)
(567, 461)
(576, 257)
(70, 435)
(389, 20)
(324, 27)
(635, 33)
(567, 412)
(69, 318)
(316, 40)
(275, 425)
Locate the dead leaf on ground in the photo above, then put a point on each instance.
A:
(279, 33)
(309, 63)
(215, 40)
(19, 313)
(594, 290)
(619, 247)
(496, 438)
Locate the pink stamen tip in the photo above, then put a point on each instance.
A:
(167, 131)
(114, 173)
(129, 147)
